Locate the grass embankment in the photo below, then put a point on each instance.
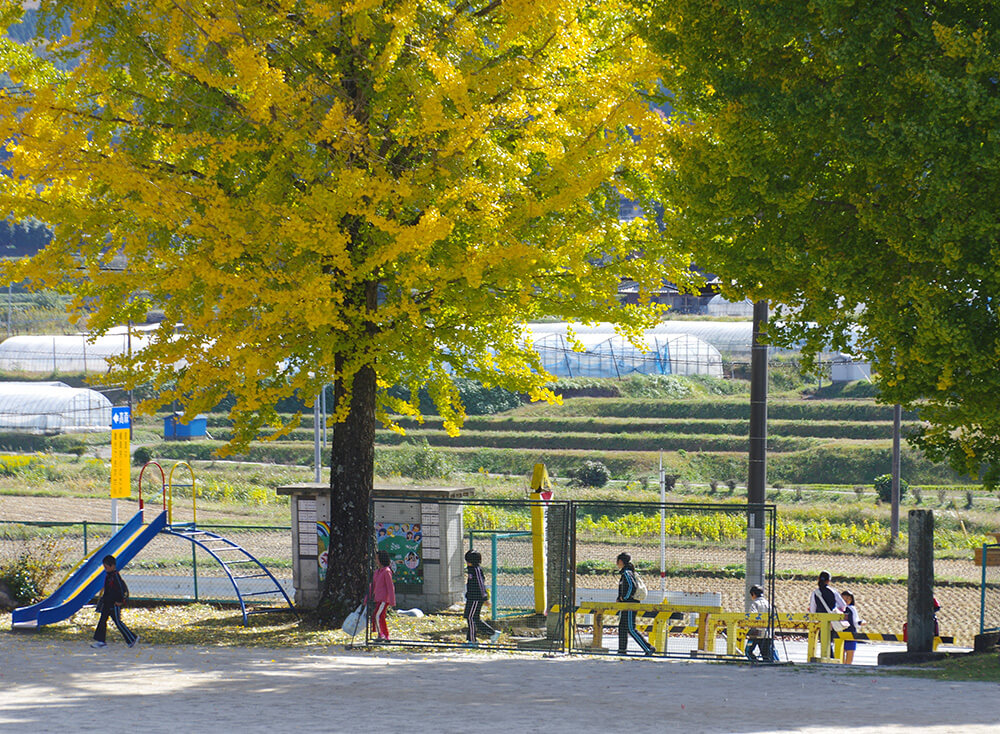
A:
(962, 668)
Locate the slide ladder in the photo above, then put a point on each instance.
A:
(250, 577)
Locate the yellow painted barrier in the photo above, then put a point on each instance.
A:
(816, 624)
(660, 615)
(839, 638)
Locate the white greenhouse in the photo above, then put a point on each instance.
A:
(71, 353)
(52, 407)
(608, 354)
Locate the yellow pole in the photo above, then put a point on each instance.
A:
(194, 493)
(539, 481)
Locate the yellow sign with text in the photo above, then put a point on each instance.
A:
(121, 423)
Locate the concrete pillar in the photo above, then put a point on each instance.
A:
(920, 584)
(757, 479)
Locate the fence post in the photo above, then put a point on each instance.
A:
(194, 568)
(493, 577)
(982, 591)
(85, 554)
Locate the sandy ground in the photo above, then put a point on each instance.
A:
(49, 686)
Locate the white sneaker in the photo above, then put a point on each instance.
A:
(495, 636)
(95, 643)
(134, 642)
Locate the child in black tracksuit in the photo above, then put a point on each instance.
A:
(114, 595)
(626, 619)
(475, 596)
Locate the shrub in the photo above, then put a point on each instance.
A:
(415, 460)
(968, 499)
(593, 474)
(656, 386)
(142, 456)
(28, 573)
(883, 487)
(918, 495)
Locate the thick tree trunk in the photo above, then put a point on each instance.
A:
(352, 473)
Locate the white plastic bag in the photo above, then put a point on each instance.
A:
(356, 621)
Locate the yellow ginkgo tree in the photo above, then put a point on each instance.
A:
(366, 193)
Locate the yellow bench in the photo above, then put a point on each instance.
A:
(656, 615)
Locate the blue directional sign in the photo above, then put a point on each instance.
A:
(121, 418)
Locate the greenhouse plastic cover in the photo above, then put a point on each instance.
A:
(52, 407)
(64, 353)
(608, 354)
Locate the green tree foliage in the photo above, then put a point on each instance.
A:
(841, 158)
(364, 194)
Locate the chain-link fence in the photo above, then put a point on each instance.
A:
(170, 567)
(989, 605)
(691, 558)
(508, 596)
(543, 574)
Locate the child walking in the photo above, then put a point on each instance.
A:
(475, 595)
(113, 597)
(383, 596)
(853, 621)
(626, 619)
(756, 641)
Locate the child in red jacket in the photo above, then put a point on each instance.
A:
(383, 596)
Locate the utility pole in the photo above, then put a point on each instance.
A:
(897, 419)
(758, 452)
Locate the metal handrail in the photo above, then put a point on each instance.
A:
(194, 493)
(163, 483)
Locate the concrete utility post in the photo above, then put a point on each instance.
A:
(758, 452)
(920, 584)
(897, 419)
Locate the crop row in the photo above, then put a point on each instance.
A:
(714, 527)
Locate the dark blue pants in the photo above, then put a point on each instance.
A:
(473, 608)
(115, 612)
(626, 629)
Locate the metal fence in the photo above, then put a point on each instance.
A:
(549, 571)
(989, 602)
(690, 556)
(427, 541)
(169, 568)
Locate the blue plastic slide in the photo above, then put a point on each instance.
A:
(84, 583)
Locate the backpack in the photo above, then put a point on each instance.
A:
(640, 587)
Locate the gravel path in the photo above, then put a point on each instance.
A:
(55, 686)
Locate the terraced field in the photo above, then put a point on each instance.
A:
(701, 439)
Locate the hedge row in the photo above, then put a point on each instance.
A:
(840, 465)
(816, 410)
(866, 431)
(534, 440)
(589, 441)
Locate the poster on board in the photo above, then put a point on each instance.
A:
(403, 543)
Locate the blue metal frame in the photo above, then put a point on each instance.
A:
(173, 530)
